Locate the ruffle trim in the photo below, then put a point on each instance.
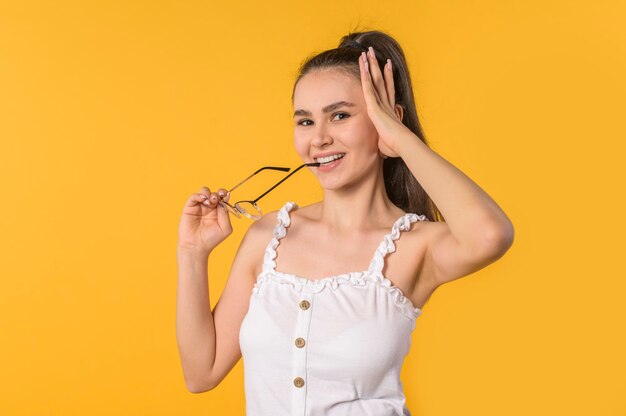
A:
(284, 220)
(333, 282)
(387, 245)
(373, 274)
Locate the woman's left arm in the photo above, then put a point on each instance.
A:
(476, 231)
(474, 219)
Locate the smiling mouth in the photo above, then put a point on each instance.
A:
(342, 155)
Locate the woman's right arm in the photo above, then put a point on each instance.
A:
(195, 327)
(208, 341)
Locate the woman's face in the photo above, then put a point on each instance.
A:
(321, 126)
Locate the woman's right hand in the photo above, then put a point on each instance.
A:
(205, 222)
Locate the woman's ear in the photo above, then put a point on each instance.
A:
(399, 112)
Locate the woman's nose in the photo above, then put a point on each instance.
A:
(321, 137)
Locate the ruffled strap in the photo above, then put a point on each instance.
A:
(282, 221)
(387, 245)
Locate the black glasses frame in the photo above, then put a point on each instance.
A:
(237, 209)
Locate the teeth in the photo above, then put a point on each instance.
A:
(330, 158)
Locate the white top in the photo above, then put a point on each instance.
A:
(332, 346)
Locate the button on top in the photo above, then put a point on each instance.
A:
(304, 305)
(300, 342)
(298, 382)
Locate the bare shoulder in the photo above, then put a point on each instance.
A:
(257, 237)
(262, 226)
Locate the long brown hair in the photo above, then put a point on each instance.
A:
(401, 186)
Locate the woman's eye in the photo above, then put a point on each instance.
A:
(303, 121)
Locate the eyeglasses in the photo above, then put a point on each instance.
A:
(250, 208)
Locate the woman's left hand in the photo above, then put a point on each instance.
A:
(379, 92)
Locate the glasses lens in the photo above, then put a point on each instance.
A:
(231, 209)
(249, 209)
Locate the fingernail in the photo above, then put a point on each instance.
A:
(371, 51)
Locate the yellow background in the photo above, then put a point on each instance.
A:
(113, 112)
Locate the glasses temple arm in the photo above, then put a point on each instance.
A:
(265, 167)
(285, 178)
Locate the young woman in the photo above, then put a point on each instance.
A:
(316, 305)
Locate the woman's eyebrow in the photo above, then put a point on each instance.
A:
(326, 109)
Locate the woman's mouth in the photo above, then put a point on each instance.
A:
(330, 165)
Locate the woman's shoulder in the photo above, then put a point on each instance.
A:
(309, 215)
(255, 240)
(265, 225)
(302, 212)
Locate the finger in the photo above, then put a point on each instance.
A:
(377, 76)
(196, 199)
(223, 194)
(205, 192)
(391, 90)
(213, 199)
(369, 91)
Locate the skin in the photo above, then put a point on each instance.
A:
(357, 185)
(324, 241)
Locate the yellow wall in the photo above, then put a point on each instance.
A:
(113, 112)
